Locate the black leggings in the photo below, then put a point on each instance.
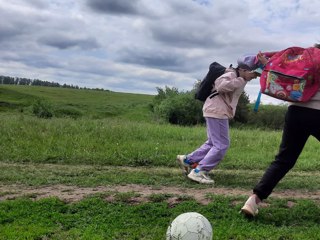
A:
(300, 123)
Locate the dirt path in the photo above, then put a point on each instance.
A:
(142, 192)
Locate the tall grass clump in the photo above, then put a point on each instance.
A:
(42, 108)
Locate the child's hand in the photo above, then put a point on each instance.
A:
(262, 58)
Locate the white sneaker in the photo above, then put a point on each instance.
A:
(250, 208)
(200, 177)
(186, 168)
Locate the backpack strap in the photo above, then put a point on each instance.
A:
(213, 94)
(256, 105)
(236, 69)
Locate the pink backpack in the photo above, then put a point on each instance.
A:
(292, 74)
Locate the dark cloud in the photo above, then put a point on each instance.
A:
(189, 26)
(125, 7)
(12, 26)
(7, 32)
(64, 42)
(159, 59)
(185, 36)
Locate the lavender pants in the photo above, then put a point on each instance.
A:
(209, 154)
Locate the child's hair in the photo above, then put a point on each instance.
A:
(317, 45)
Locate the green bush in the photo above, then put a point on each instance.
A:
(164, 94)
(42, 108)
(180, 109)
(268, 117)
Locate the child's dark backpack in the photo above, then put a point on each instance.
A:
(205, 87)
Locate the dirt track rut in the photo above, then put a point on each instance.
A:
(74, 193)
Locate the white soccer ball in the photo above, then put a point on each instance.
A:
(189, 226)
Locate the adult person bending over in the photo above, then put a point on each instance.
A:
(301, 121)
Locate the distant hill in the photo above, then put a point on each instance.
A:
(75, 102)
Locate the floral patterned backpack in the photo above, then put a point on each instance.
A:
(292, 74)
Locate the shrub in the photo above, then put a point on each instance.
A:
(162, 95)
(180, 109)
(42, 108)
(268, 117)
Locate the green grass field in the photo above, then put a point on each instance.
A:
(116, 142)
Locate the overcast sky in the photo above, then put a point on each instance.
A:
(137, 45)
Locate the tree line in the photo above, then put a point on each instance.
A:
(37, 82)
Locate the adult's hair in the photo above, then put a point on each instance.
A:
(317, 45)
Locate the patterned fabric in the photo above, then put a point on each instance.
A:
(292, 74)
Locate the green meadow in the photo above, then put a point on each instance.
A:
(103, 138)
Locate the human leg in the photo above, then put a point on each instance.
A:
(198, 154)
(217, 141)
(218, 134)
(186, 162)
(294, 137)
(299, 124)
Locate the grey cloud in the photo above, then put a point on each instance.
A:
(202, 2)
(192, 25)
(185, 36)
(34, 60)
(164, 60)
(7, 32)
(41, 62)
(65, 42)
(115, 6)
(11, 26)
(38, 3)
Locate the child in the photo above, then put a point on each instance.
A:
(218, 108)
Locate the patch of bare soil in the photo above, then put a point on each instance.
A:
(142, 193)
